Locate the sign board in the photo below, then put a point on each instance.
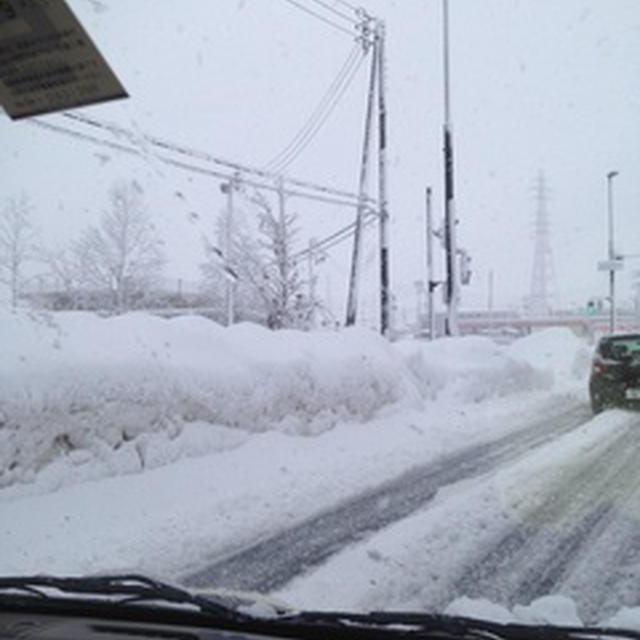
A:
(48, 62)
(611, 265)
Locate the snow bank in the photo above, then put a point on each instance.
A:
(84, 397)
(558, 352)
(625, 618)
(119, 394)
(474, 368)
(469, 369)
(549, 610)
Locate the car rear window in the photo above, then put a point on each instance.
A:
(619, 348)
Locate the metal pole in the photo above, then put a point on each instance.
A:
(431, 284)
(451, 285)
(312, 282)
(229, 292)
(352, 300)
(490, 298)
(382, 184)
(282, 253)
(612, 255)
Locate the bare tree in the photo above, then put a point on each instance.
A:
(268, 278)
(17, 238)
(231, 265)
(65, 276)
(124, 254)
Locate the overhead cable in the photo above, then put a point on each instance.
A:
(226, 176)
(335, 11)
(319, 117)
(335, 238)
(344, 3)
(319, 108)
(318, 16)
(180, 149)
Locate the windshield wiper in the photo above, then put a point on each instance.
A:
(120, 591)
(126, 589)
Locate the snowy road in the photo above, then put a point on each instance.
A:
(272, 562)
(581, 539)
(561, 519)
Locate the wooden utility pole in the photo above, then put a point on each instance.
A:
(352, 300)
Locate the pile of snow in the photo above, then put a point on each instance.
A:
(556, 351)
(549, 610)
(136, 391)
(84, 397)
(470, 369)
(557, 610)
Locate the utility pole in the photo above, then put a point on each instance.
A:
(431, 283)
(490, 298)
(311, 257)
(382, 182)
(451, 284)
(612, 254)
(228, 188)
(352, 300)
(282, 249)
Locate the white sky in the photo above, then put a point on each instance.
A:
(536, 85)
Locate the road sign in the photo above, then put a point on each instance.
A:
(611, 265)
(48, 61)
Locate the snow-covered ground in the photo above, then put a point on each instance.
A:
(84, 397)
(137, 443)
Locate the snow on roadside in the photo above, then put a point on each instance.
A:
(171, 520)
(547, 610)
(84, 397)
(556, 351)
(244, 483)
(470, 369)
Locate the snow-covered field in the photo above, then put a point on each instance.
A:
(137, 443)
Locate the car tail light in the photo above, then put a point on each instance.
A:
(602, 365)
(598, 365)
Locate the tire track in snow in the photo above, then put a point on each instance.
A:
(607, 575)
(544, 554)
(270, 563)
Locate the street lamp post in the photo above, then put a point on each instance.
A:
(612, 256)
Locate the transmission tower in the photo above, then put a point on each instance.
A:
(542, 275)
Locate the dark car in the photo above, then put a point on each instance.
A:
(615, 371)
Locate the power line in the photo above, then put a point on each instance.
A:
(335, 238)
(344, 3)
(321, 122)
(306, 139)
(318, 16)
(204, 156)
(226, 176)
(83, 136)
(319, 108)
(335, 11)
